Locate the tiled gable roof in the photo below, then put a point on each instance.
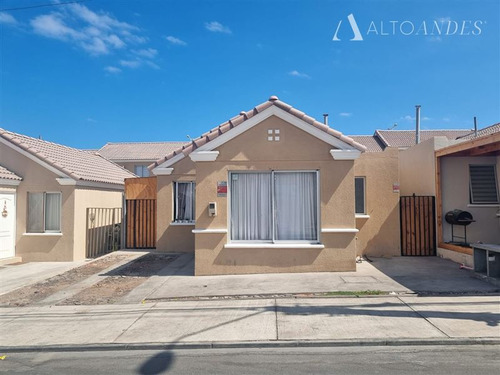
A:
(495, 128)
(78, 164)
(406, 138)
(8, 175)
(371, 142)
(244, 116)
(147, 151)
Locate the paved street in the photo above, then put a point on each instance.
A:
(456, 360)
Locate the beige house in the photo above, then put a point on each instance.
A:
(273, 190)
(137, 156)
(463, 175)
(45, 189)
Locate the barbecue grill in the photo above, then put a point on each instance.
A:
(461, 218)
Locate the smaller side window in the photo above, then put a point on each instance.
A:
(184, 202)
(483, 184)
(141, 170)
(359, 194)
(44, 212)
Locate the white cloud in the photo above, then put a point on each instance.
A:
(149, 53)
(217, 27)
(296, 73)
(176, 41)
(345, 114)
(96, 32)
(410, 118)
(112, 69)
(7, 19)
(131, 63)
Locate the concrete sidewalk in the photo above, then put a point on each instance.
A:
(262, 322)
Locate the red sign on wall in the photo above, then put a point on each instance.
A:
(221, 188)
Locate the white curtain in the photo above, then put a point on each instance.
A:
(295, 200)
(185, 201)
(52, 212)
(251, 211)
(35, 213)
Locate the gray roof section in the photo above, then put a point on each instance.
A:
(137, 151)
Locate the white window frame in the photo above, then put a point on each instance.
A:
(142, 166)
(273, 215)
(43, 211)
(176, 203)
(364, 195)
(471, 196)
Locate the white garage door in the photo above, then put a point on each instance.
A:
(7, 224)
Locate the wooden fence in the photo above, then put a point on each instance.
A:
(418, 225)
(140, 198)
(103, 231)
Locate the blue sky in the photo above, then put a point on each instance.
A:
(106, 71)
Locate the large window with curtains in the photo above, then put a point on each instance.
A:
(184, 200)
(274, 206)
(44, 212)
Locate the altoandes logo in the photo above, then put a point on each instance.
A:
(434, 28)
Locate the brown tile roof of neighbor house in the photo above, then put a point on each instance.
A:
(495, 128)
(243, 116)
(8, 175)
(371, 142)
(406, 138)
(132, 151)
(78, 164)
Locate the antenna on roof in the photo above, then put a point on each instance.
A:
(475, 126)
(188, 137)
(393, 126)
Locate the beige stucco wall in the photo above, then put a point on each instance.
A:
(455, 195)
(379, 235)
(39, 247)
(418, 167)
(87, 198)
(173, 238)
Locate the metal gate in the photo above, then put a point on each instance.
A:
(103, 231)
(418, 225)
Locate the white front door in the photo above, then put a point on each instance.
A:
(7, 224)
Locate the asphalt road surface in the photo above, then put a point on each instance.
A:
(449, 360)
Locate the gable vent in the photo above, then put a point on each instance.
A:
(483, 184)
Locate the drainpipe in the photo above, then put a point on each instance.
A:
(475, 126)
(417, 119)
(325, 118)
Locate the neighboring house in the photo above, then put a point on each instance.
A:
(404, 139)
(136, 156)
(463, 174)
(273, 190)
(45, 189)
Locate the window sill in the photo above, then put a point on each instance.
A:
(362, 216)
(181, 224)
(46, 234)
(273, 246)
(483, 205)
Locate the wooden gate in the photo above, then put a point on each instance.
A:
(140, 198)
(418, 225)
(103, 231)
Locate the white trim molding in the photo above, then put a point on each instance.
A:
(339, 230)
(362, 216)
(209, 231)
(180, 224)
(162, 171)
(44, 234)
(204, 155)
(9, 182)
(66, 181)
(274, 246)
(345, 154)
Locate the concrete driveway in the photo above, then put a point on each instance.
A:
(425, 275)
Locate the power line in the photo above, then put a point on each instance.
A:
(44, 5)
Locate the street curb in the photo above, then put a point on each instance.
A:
(251, 344)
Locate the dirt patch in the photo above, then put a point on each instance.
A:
(41, 290)
(121, 281)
